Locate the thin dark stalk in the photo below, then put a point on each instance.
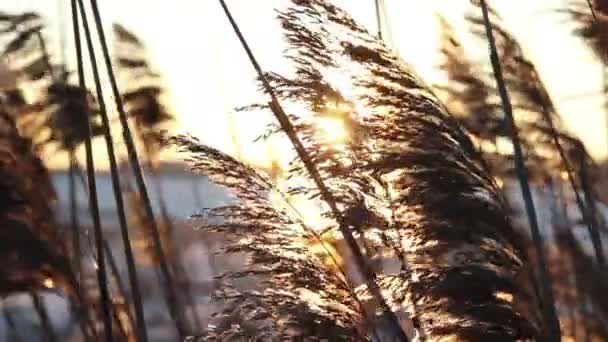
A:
(177, 259)
(79, 307)
(378, 18)
(178, 269)
(174, 259)
(173, 303)
(74, 224)
(80, 311)
(101, 271)
(122, 289)
(590, 200)
(604, 67)
(587, 211)
(326, 195)
(549, 311)
(581, 295)
(580, 292)
(75, 228)
(43, 314)
(559, 223)
(119, 284)
(592, 9)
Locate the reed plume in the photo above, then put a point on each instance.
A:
(142, 89)
(34, 255)
(407, 179)
(591, 20)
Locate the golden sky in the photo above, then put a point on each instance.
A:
(207, 72)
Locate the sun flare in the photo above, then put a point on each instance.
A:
(332, 130)
(49, 283)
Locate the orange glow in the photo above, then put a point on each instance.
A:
(332, 130)
(504, 296)
(49, 283)
(213, 76)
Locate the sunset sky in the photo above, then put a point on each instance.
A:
(207, 73)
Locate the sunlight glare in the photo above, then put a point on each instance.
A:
(332, 129)
(508, 297)
(49, 283)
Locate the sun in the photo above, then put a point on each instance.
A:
(49, 283)
(332, 130)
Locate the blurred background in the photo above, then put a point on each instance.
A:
(182, 62)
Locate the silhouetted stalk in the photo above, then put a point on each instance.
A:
(588, 211)
(326, 195)
(101, 269)
(592, 9)
(43, 315)
(590, 200)
(179, 270)
(139, 179)
(560, 223)
(175, 259)
(75, 230)
(74, 224)
(581, 295)
(77, 250)
(580, 292)
(548, 306)
(378, 18)
(124, 336)
(81, 311)
(122, 290)
(604, 66)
